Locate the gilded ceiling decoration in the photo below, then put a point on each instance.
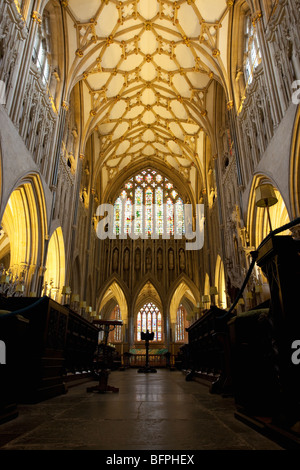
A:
(147, 67)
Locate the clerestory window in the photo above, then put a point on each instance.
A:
(252, 55)
(41, 49)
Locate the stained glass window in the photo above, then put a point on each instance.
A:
(128, 215)
(144, 322)
(159, 197)
(149, 318)
(138, 210)
(159, 327)
(139, 326)
(117, 216)
(179, 217)
(170, 216)
(157, 205)
(149, 178)
(149, 216)
(118, 329)
(180, 326)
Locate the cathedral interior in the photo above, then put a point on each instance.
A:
(150, 181)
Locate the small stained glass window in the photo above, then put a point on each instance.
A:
(118, 329)
(180, 324)
(149, 318)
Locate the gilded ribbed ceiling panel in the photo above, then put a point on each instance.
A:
(148, 65)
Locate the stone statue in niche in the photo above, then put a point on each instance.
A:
(137, 259)
(126, 259)
(115, 259)
(171, 259)
(148, 260)
(159, 259)
(182, 260)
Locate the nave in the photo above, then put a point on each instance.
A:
(159, 411)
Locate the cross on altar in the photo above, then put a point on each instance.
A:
(147, 337)
(107, 326)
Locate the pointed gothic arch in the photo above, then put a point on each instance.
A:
(148, 293)
(183, 279)
(114, 288)
(295, 169)
(24, 221)
(141, 285)
(182, 291)
(55, 273)
(220, 284)
(118, 182)
(257, 219)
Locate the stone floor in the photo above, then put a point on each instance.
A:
(150, 412)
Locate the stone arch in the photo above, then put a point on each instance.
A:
(257, 219)
(295, 169)
(148, 293)
(183, 279)
(220, 284)
(183, 290)
(24, 221)
(55, 266)
(140, 286)
(114, 288)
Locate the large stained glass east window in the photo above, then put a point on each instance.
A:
(149, 203)
(149, 318)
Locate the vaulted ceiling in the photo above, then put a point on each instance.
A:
(147, 67)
